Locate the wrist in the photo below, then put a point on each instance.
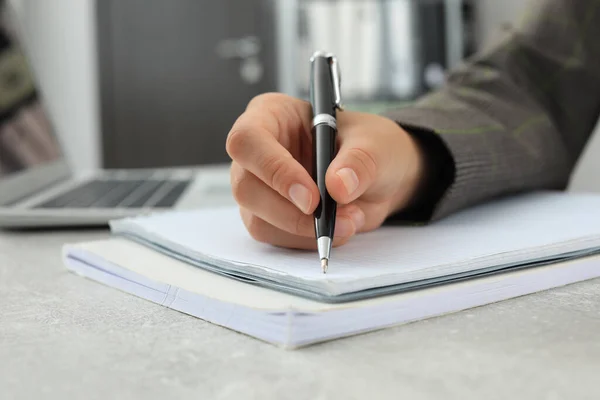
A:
(412, 183)
(431, 173)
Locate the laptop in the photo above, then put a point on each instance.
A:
(39, 189)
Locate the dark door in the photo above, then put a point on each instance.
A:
(174, 76)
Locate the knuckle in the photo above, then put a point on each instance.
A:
(240, 187)
(302, 225)
(256, 229)
(276, 169)
(366, 161)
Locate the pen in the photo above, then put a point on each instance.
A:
(325, 98)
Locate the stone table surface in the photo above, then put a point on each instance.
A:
(65, 337)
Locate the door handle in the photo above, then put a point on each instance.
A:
(247, 50)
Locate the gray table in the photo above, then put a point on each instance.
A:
(64, 337)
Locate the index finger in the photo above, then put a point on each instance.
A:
(253, 144)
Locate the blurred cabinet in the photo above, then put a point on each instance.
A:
(174, 76)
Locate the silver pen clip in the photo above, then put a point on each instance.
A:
(337, 83)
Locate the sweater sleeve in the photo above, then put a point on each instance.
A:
(515, 117)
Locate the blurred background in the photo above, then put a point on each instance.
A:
(151, 83)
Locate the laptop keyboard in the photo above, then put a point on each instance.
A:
(147, 193)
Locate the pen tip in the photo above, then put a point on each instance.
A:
(324, 265)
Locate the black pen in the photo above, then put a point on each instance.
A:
(325, 99)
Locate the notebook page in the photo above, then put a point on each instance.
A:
(540, 222)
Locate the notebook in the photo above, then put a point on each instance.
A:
(204, 263)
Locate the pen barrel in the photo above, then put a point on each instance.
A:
(322, 97)
(324, 150)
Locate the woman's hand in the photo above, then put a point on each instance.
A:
(375, 173)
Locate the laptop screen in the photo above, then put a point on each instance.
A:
(27, 138)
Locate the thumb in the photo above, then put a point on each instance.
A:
(376, 161)
(353, 170)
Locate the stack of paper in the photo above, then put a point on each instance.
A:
(205, 264)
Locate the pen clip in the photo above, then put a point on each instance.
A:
(337, 83)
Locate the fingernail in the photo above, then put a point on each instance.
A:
(358, 217)
(349, 179)
(300, 197)
(344, 227)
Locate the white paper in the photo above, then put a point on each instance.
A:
(506, 232)
(292, 321)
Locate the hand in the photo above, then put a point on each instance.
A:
(375, 173)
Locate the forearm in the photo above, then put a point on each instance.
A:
(517, 117)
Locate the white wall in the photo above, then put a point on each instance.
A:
(493, 16)
(60, 36)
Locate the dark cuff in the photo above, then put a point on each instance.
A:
(439, 175)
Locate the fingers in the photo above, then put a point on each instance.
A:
(353, 170)
(376, 213)
(264, 202)
(260, 142)
(266, 233)
(269, 206)
(374, 171)
(376, 161)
